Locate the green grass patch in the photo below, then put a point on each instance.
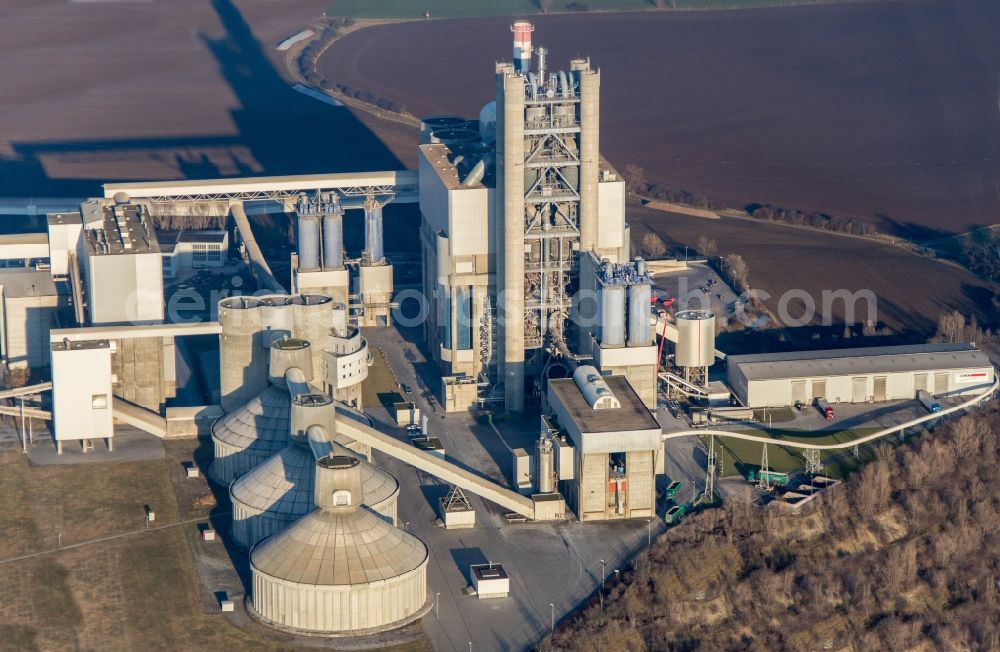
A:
(18, 637)
(409, 9)
(741, 456)
(774, 415)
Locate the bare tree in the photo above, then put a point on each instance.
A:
(652, 244)
(737, 270)
(706, 246)
(635, 178)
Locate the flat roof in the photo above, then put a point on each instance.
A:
(124, 229)
(489, 571)
(64, 345)
(26, 282)
(847, 362)
(632, 415)
(24, 238)
(202, 235)
(65, 218)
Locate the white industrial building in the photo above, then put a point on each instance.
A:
(858, 375)
(183, 250)
(81, 392)
(30, 305)
(24, 250)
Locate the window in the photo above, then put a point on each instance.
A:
(99, 401)
(341, 498)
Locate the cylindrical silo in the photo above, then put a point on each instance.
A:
(695, 338)
(612, 302)
(333, 240)
(639, 295)
(249, 434)
(289, 354)
(308, 243)
(276, 493)
(434, 123)
(546, 467)
(373, 230)
(311, 410)
(340, 568)
(242, 362)
(275, 319)
(311, 321)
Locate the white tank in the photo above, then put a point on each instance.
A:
(546, 467)
(308, 242)
(695, 338)
(612, 301)
(638, 314)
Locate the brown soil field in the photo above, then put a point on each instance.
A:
(882, 111)
(911, 291)
(105, 91)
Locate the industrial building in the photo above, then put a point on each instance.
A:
(191, 249)
(859, 375)
(605, 447)
(518, 213)
(20, 250)
(31, 304)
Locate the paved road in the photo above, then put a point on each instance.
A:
(556, 564)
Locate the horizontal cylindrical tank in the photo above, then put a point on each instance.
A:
(695, 338)
(612, 302)
(639, 331)
(333, 241)
(242, 362)
(308, 242)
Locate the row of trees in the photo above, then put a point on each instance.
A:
(902, 556)
(310, 56)
(981, 253)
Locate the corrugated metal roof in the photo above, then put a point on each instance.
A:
(863, 361)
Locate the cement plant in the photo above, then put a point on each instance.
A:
(462, 448)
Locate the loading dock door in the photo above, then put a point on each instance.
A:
(859, 389)
(798, 391)
(880, 388)
(919, 383)
(819, 389)
(941, 382)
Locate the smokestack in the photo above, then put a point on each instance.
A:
(522, 46)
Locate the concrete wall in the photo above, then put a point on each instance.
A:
(139, 366)
(125, 288)
(354, 608)
(81, 391)
(25, 323)
(611, 220)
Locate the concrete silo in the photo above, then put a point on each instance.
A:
(242, 360)
(340, 569)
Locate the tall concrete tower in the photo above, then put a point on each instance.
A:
(546, 203)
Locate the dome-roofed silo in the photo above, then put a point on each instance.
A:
(340, 569)
(250, 434)
(273, 495)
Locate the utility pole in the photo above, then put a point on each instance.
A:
(709, 494)
(763, 477)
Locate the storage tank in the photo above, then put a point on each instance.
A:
(373, 230)
(275, 319)
(434, 123)
(273, 495)
(242, 361)
(311, 410)
(249, 434)
(546, 467)
(639, 331)
(695, 338)
(308, 242)
(340, 568)
(612, 302)
(333, 240)
(312, 316)
(288, 354)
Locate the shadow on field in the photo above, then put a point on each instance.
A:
(280, 131)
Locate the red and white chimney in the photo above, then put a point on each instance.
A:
(522, 45)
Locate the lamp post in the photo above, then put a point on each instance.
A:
(552, 624)
(603, 574)
(437, 597)
(649, 532)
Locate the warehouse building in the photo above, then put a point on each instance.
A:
(858, 375)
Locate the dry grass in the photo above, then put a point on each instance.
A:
(139, 592)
